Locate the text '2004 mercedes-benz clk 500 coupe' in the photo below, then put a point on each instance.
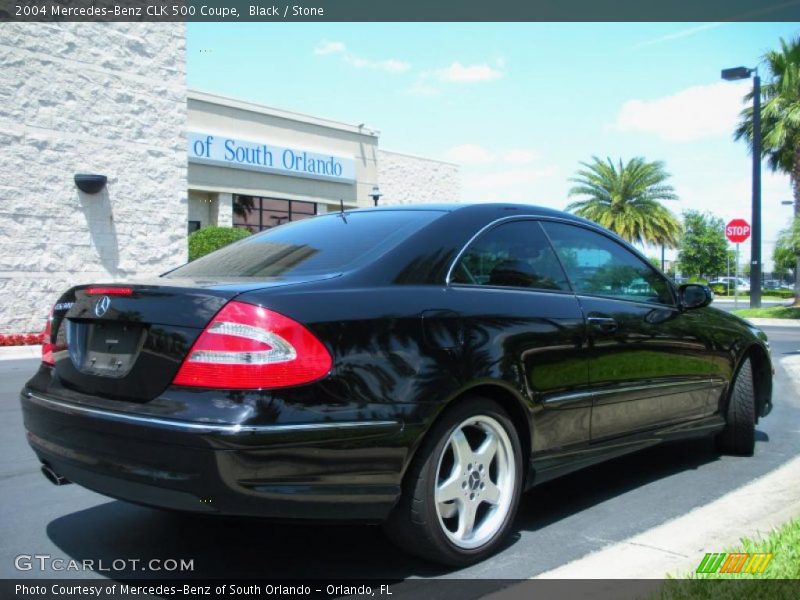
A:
(419, 367)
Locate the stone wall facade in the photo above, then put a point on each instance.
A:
(106, 98)
(406, 179)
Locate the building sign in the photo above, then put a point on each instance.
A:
(257, 156)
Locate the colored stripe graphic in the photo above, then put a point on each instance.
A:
(735, 562)
(710, 563)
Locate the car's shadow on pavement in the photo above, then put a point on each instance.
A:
(246, 548)
(560, 498)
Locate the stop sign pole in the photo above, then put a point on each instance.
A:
(737, 231)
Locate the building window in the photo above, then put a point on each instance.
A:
(193, 226)
(256, 213)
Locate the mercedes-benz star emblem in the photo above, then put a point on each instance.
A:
(102, 306)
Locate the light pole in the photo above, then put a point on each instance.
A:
(734, 74)
(375, 194)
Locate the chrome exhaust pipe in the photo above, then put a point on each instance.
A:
(54, 477)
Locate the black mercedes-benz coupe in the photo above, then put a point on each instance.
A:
(417, 366)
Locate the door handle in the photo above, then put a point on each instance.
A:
(604, 324)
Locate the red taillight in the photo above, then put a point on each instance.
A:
(47, 345)
(249, 347)
(108, 291)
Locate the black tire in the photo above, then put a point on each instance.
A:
(739, 435)
(415, 523)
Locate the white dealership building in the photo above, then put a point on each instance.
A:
(110, 99)
(277, 166)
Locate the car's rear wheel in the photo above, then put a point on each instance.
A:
(739, 435)
(462, 490)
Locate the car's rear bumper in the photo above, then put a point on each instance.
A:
(330, 470)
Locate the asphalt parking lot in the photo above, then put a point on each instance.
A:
(558, 522)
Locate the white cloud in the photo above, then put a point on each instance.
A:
(326, 47)
(469, 154)
(694, 113)
(520, 156)
(475, 154)
(422, 89)
(458, 73)
(389, 65)
(511, 178)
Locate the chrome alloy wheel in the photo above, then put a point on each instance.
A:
(475, 480)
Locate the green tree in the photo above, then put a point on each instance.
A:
(780, 121)
(625, 198)
(704, 249)
(787, 248)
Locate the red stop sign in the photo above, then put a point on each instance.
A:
(737, 231)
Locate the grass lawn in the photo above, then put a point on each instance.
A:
(783, 544)
(773, 312)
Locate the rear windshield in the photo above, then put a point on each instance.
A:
(327, 244)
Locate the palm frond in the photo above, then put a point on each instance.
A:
(624, 197)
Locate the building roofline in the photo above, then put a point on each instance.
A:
(220, 100)
(425, 158)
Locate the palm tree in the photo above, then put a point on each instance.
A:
(625, 198)
(780, 120)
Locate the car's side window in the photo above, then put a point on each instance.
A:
(512, 254)
(598, 265)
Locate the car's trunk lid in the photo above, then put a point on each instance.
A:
(130, 345)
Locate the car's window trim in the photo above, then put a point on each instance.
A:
(485, 229)
(513, 288)
(554, 219)
(674, 307)
(670, 286)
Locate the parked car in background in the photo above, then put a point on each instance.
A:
(732, 283)
(777, 285)
(420, 367)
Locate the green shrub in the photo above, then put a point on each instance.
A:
(206, 240)
(719, 289)
(781, 293)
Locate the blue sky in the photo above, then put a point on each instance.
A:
(517, 105)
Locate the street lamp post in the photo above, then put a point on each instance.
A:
(375, 194)
(734, 74)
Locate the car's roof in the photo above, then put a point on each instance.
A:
(487, 210)
(476, 207)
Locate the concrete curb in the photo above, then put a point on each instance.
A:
(18, 352)
(774, 322)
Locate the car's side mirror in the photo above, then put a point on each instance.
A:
(694, 295)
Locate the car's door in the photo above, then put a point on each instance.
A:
(521, 318)
(649, 363)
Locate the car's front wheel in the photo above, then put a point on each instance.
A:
(462, 490)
